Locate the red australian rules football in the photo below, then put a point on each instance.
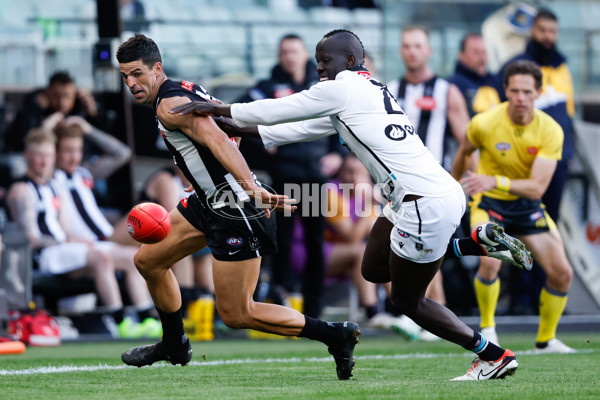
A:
(148, 223)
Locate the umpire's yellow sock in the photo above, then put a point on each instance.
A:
(487, 293)
(552, 305)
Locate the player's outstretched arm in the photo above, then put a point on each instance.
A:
(205, 131)
(203, 108)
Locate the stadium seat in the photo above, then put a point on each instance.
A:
(330, 15)
(368, 16)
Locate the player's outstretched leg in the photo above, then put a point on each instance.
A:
(483, 370)
(149, 354)
(497, 244)
(342, 349)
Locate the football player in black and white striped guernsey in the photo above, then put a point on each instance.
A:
(35, 204)
(427, 202)
(238, 234)
(438, 113)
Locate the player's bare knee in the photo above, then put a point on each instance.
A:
(143, 262)
(233, 317)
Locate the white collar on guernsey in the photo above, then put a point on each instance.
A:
(358, 70)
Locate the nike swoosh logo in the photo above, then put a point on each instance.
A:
(234, 252)
(494, 370)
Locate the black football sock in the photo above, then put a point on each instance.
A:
(144, 313)
(371, 311)
(118, 315)
(173, 334)
(485, 349)
(463, 247)
(315, 329)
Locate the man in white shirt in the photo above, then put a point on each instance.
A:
(427, 203)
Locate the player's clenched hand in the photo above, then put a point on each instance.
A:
(195, 107)
(269, 201)
(474, 183)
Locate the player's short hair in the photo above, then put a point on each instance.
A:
(463, 43)
(139, 47)
(410, 28)
(523, 67)
(290, 36)
(38, 136)
(336, 31)
(544, 13)
(60, 77)
(64, 131)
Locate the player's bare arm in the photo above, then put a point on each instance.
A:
(462, 158)
(203, 108)
(458, 116)
(22, 209)
(532, 188)
(206, 132)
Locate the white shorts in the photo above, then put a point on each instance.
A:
(423, 228)
(63, 258)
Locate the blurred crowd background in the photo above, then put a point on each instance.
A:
(228, 46)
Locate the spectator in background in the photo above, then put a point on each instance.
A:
(556, 98)
(434, 106)
(34, 203)
(507, 188)
(296, 163)
(47, 107)
(471, 76)
(557, 101)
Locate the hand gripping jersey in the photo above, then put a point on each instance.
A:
(198, 164)
(370, 123)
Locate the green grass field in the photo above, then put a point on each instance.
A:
(387, 367)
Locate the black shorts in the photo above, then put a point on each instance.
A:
(232, 237)
(518, 217)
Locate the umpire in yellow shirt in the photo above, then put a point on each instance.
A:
(519, 148)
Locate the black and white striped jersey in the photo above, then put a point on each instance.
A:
(426, 106)
(47, 202)
(369, 121)
(86, 220)
(198, 164)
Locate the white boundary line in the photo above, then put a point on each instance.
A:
(105, 367)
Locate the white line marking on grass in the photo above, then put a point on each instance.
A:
(105, 367)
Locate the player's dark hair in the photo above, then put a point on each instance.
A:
(463, 43)
(61, 77)
(139, 47)
(544, 13)
(523, 67)
(336, 31)
(290, 36)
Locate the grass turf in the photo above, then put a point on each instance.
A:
(387, 367)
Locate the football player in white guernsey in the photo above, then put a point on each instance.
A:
(208, 158)
(427, 202)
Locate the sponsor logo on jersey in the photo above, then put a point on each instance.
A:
(532, 150)
(364, 74)
(187, 85)
(503, 146)
(402, 233)
(419, 246)
(184, 202)
(163, 134)
(235, 241)
(426, 103)
(89, 183)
